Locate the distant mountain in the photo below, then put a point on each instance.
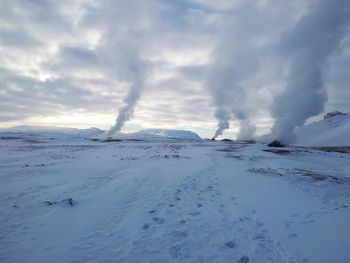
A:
(149, 134)
(100, 134)
(175, 134)
(54, 131)
(333, 130)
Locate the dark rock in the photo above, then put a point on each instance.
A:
(249, 141)
(70, 201)
(276, 143)
(50, 202)
(280, 152)
(110, 139)
(332, 114)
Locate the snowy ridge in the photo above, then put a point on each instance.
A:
(333, 130)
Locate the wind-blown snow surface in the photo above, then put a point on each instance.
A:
(171, 201)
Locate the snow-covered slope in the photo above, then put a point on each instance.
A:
(333, 130)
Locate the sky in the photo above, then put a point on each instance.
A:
(176, 64)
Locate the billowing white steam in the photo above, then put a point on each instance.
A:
(233, 62)
(126, 111)
(121, 51)
(308, 46)
(135, 72)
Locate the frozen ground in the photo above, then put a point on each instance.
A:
(72, 200)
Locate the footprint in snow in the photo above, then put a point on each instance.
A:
(230, 244)
(174, 251)
(308, 221)
(288, 224)
(292, 235)
(243, 259)
(244, 218)
(194, 213)
(180, 234)
(159, 220)
(258, 236)
(259, 224)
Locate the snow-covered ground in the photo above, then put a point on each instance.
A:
(66, 199)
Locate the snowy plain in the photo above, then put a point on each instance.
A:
(67, 199)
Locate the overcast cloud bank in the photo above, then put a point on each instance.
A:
(197, 65)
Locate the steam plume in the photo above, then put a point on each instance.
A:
(133, 70)
(126, 112)
(233, 62)
(309, 44)
(223, 123)
(122, 51)
(246, 131)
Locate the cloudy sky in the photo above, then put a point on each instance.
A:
(188, 63)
